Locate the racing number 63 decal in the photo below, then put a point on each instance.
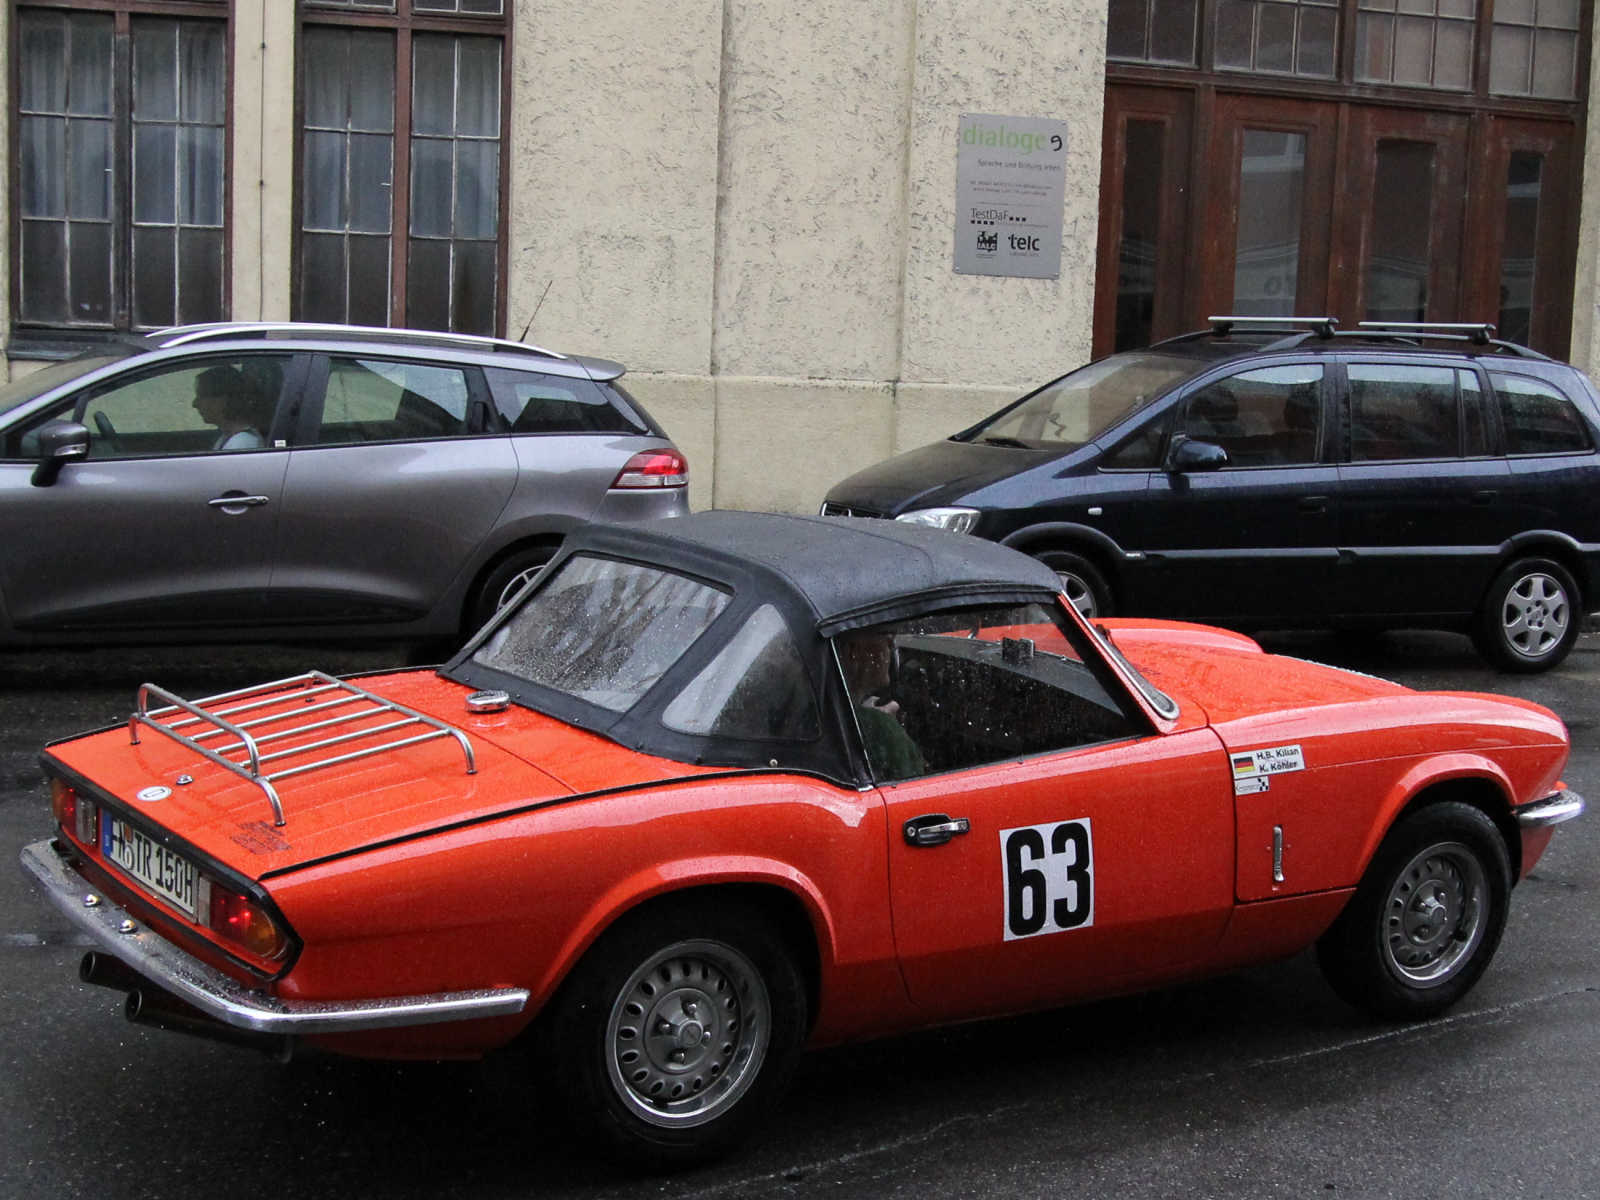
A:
(1049, 874)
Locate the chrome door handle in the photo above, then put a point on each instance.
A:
(935, 829)
(231, 504)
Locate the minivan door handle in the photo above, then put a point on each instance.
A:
(1482, 499)
(1312, 504)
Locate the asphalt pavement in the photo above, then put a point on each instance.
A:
(1259, 1084)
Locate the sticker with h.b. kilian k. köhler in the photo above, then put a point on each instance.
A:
(1253, 769)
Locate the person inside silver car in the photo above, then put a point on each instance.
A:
(225, 398)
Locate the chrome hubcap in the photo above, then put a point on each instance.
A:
(688, 1034)
(1535, 615)
(1079, 593)
(1434, 918)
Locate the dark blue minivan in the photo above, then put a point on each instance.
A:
(1283, 477)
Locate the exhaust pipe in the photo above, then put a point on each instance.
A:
(157, 1009)
(107, 971)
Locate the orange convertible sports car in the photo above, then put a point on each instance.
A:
(710, 792)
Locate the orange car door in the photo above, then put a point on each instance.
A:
(1074, 868)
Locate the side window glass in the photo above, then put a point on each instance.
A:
(217, 404)
(1265, 418)
(371, 400)
(1536, 418)
(1474, 428)
(533, 403)
(1401, 412)
(961, 689)
(756, 687)
(1139, 451)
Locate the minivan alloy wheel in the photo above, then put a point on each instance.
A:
(1535, 614)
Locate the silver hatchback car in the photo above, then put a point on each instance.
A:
(245, 482)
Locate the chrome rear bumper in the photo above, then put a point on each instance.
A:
(226, 999)
(1551, 810)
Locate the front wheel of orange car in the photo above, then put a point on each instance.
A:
(1426, 918)
(677, 1031)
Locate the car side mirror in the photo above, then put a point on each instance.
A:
(60, 442)
(1191, 455)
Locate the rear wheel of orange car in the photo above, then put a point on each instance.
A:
(1427, 917)
(677, 1031)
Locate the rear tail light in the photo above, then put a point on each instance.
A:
(654, 469)
(64, 804)
(75, 814)
(242, 921)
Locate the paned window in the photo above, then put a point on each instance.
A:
(1285, 37)
(1160, 31)
(121, 160)
(1422, 43)
(401, 164)
(1266, 268)
(1519, 245)
(1535, 50)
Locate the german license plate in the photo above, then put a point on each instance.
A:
(158, 870)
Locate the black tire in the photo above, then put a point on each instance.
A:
(686, 1094)
(1082, 581)
(1427, 917)
(502, 583)
(1530, 616)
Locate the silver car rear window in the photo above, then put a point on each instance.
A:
(603, 631)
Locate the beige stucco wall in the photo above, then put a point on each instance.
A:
(1586, 292)
(262, 170)
(764, 227)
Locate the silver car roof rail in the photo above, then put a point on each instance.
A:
(339, 729)
(188, 335)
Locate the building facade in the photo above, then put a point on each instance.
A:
(753, 203)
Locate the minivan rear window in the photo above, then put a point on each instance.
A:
(1536, 418)
(1079, 407)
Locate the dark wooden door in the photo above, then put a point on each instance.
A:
(1144, 193)
(1397, 239)
(1268, 197)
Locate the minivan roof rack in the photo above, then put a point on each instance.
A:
(1323, 327)
(186, 335)
(1478, 333)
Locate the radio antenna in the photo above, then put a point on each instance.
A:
(536, 309)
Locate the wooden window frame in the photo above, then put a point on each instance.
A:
(404, 23)
(21, 338)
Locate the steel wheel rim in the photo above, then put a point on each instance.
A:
(1535, 615)
(1080, 593)
(688, 1034)
(1435, 915)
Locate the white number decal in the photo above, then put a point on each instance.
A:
(1049, 874)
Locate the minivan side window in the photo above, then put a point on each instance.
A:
(370, 400)
(1266, 418)
(535, 403)
(1403, 412)
(1536, 418)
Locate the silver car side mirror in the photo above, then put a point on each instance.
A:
(60, 442)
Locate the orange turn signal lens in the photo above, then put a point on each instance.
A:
(241, 921)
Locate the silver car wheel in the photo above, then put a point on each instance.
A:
(1435, 915)
(1079, 592)
(688, 1034)
(1534, 615)
(514, 585)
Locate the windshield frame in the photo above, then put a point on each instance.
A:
(22, 391)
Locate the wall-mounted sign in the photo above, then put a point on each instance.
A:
(1010, 183)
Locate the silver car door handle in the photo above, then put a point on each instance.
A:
(933, 830)
(227, 502)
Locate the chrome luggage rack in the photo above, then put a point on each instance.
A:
(315, 693)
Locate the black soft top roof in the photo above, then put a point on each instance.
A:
(850, 572)
(823, 575)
